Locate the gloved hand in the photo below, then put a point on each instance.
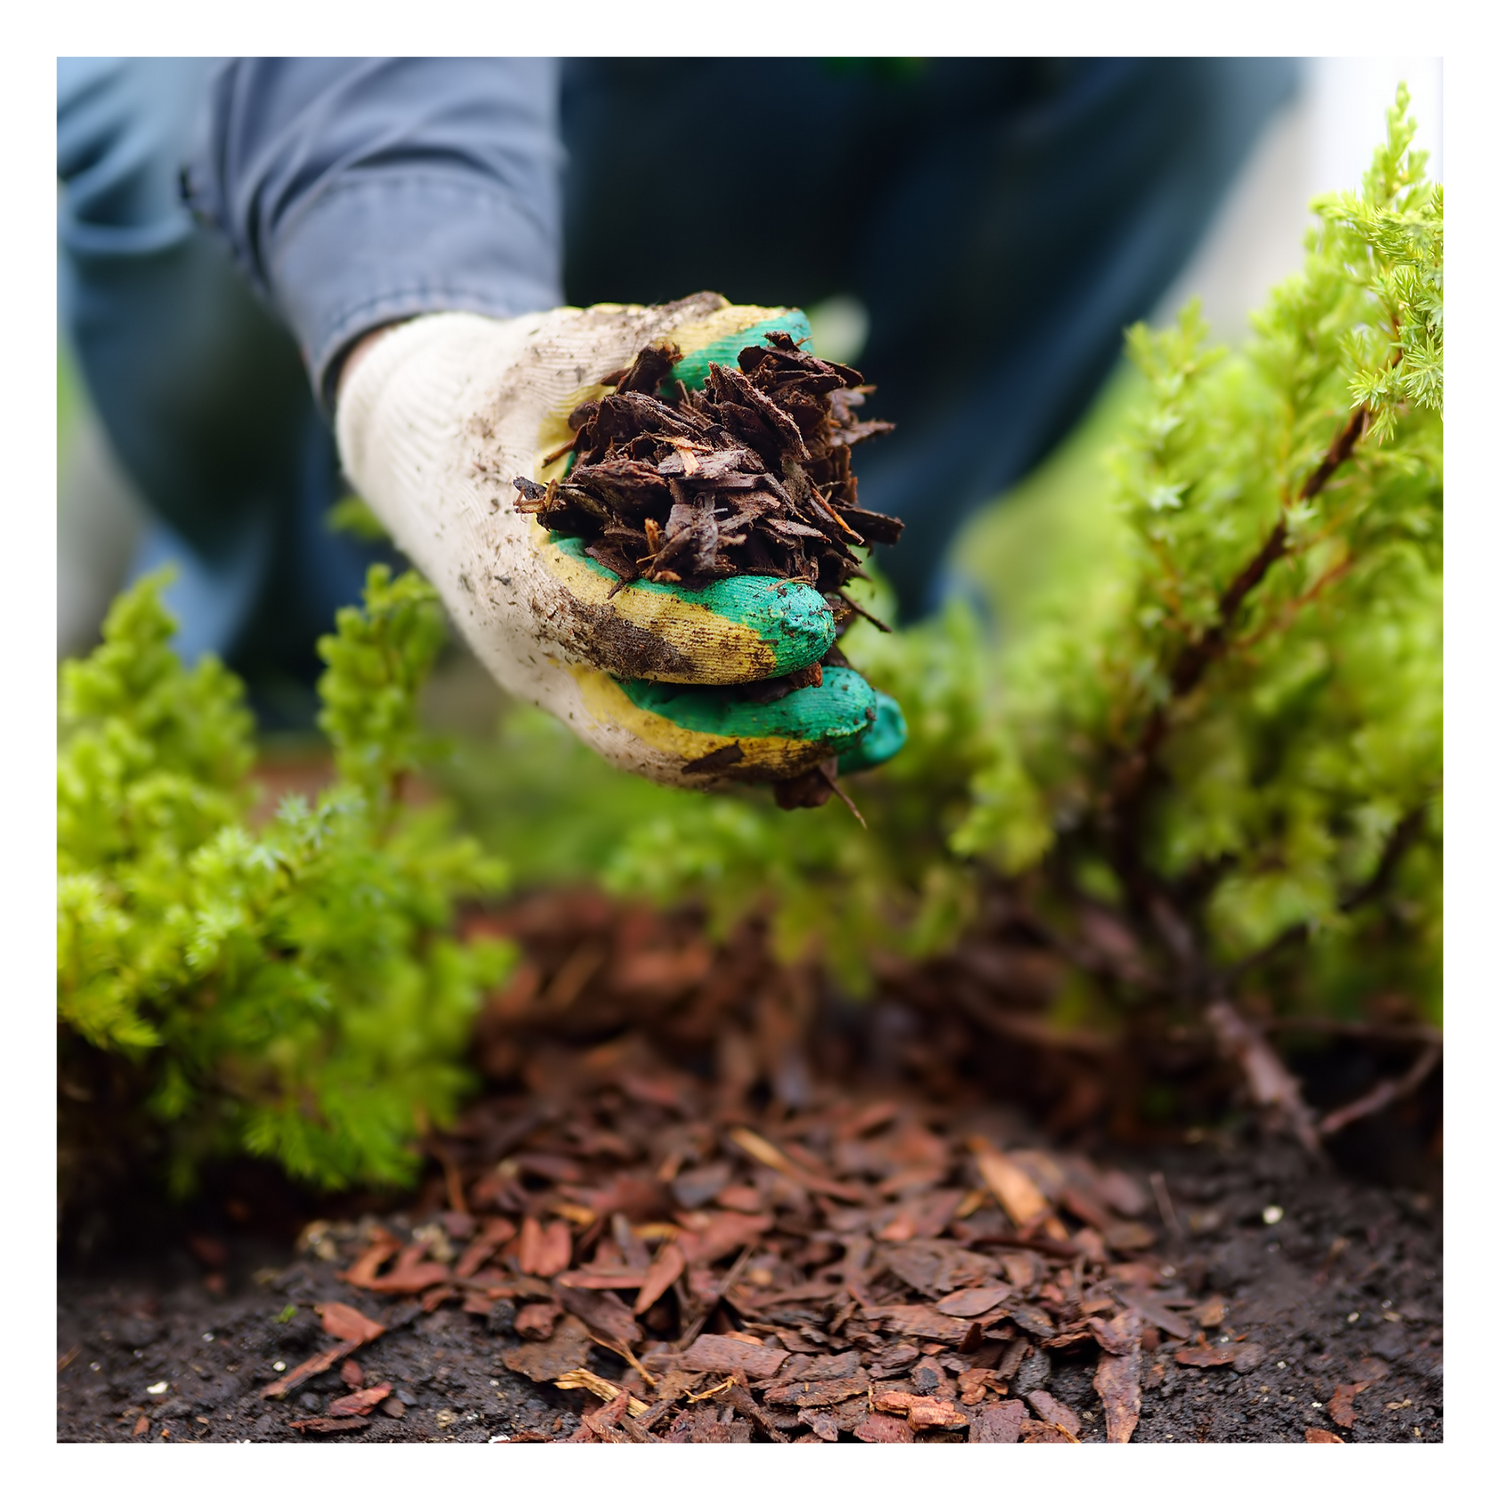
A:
(435, 422)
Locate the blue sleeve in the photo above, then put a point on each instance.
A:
(354, 192)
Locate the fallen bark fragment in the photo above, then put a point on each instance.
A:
(358, 1403)
(1206, 1356)
(923, 1323)
(817, 1392)
(1000, 1423)
(973, 1302)
(921, 1411)
(879, 1427)
(715, 1355)
(1118, 1378)
(341, 1424)
(670, 1263)
(565, 1350)
(1045, 1432)
(1050, 1409)
(751, 474)
(1341, 1403)
(347, 1324)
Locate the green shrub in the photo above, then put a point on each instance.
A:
(295, 992)
(1230, 738)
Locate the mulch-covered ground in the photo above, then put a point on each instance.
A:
(701, 1203)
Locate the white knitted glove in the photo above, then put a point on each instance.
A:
(437, 420)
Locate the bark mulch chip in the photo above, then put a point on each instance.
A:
(622, 1249)
(749, 475)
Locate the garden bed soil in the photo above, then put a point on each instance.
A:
(718, 1206)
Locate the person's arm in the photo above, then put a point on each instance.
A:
(356, 193)
(362, 195)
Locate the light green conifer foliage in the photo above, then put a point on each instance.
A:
(293, 992)
(1235, 741)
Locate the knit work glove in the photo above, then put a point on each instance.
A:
(436, 422)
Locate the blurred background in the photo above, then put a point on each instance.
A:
(1044, 531)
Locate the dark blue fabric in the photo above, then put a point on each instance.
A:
(357, 191)
(1003, 220)
(199, 387)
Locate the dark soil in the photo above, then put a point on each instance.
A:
(650, 1091)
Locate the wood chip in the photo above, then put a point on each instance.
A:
(999, 1423)
(1341, 1403)
(715, 1355)
(1118, 1378)
(1205, 1356)
(565, 1350)
(878, 1427)
(1016, 1193)
(358, 1403)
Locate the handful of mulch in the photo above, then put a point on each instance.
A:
(749, 475)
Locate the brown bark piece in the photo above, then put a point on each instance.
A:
(1118, 1378)
(972, 1302)
(603, 1312)
(923, 1323)
(879, 1427)
(1000, 1423)
(1016, 1193)
(1321, 1435)
(715, 1355)
(817, 1392)
(358, 1403)
(1205, 1356)
(1153, 1310)
(1341, 1404)
(921, 1411)
(1050, 1409)
(310, 1367)
(366, 1267)
(537, 1320)
(341, 1424)
(707, 1237)
(669, 1264)
(544, 1252)
(494, 1233)
(566, 1350)
(1045, 1432)
(345, 1322)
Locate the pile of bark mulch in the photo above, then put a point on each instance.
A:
(693, 1209)
(749, 475)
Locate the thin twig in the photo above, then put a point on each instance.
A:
(1273, 1087)
(842, 795)
(1164, 1205)
(1134, 773)
(1383, 1094)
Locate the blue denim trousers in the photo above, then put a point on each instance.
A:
(1002, 220)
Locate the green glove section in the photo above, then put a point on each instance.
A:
(786, 625)
(884, 739)
(806, 726)
(751, 627)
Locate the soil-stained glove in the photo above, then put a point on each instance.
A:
(436, 422)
